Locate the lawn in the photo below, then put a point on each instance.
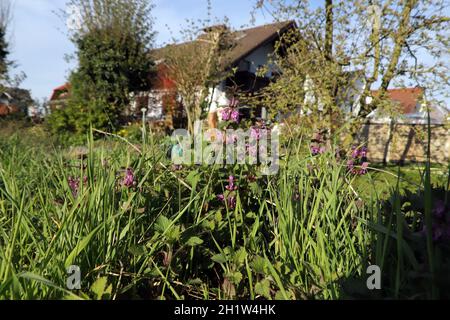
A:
(138, 227)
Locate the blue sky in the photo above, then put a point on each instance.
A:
(39, 42)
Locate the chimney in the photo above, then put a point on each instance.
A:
(220, 28)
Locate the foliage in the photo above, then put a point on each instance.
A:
(5, 19)
(198, 64)
(325, 60)
(112, 51)
(3, 53)
(164, 233)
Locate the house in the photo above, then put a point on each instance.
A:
(14, 101)
(252, 49)
(59, 97)
(402, 135)
(410, 104)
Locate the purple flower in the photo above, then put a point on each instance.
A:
(438, 231)
(316, 150)
(350, 165)
(229, 114)
(129, 179)
(363, 152)
(74, 184)
(231, 186)
(226, 114)
(231, 202)
(359, 153)
(439, 209)
(364, 168)
(358, 158)
(355, 152)
(235, 116)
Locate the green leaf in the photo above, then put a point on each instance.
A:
(137, 250)
(218, 216)
(263, 288)
(174, 234)
(162, 224)
(259, 265)
(193, 178)
(81, 246)
(48, 283)
(235, 277)
(124, 232)
(280, 296)
(99, 287)
(239, 257)
(219, 258)
(194, 241)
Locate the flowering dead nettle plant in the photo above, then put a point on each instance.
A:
(231, 113)
(129, 179)
(229, 146)
(229, 197)
(318, 144)
(74, 185)
(358, 163)
(440, 222)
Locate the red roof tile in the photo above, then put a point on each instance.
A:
(408, 98)
(60, 90)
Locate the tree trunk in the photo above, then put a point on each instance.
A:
(329, 30)
(399, 38)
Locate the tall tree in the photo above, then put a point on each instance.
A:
(383, 43)
(113, 39)
(205, 48)
(5, 19)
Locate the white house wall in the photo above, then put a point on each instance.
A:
(250, 63)
(258, 59)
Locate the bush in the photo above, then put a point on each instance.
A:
(74, 121)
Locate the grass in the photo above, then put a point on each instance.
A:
(307, 233)
(410, 178)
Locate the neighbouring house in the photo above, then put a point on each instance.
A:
(58, 99)
(14, 101)
(403, 137)
(252, 49)
(411, 107)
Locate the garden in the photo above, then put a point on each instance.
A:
(139, 227)
(94, 207)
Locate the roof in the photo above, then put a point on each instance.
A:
(246, 41)
(410, 99)
(407, 98)
(59, 90)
